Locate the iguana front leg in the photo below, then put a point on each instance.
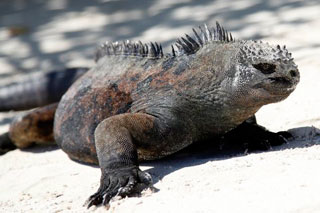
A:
(120, 140)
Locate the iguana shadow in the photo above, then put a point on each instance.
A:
(201, 153)
(198, 154)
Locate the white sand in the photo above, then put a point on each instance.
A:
(285, 179)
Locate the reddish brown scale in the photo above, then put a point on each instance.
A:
(78, 119)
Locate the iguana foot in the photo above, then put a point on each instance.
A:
(120, 182)
(266, 140)
(251, 137)
(286, 135)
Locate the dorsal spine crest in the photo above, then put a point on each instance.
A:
(184, 46)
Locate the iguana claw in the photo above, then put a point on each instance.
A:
(119, 183)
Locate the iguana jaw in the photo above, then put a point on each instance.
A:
(280, 85)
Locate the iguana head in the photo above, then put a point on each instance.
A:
(250, 73)
(264, 73)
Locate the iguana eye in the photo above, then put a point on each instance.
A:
(265, 68)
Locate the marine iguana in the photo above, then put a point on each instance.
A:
(138, 103)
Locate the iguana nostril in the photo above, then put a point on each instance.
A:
(293, 73)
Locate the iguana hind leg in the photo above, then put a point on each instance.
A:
(251, 136)
(35, 126)
(121, 141)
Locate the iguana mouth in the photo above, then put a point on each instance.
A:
(281, 80)
(280, 85)
(277, 85)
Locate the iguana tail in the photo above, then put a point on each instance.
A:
(37, 89)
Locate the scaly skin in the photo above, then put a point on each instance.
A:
(128, 109)
(137, 104)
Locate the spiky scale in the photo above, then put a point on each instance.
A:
(161, 51)
(152, 52)
(214, 31)
(187, 43)
(193, 42)
(184, 47)
(227, 36)
(208, 33)
(204, 35)
(173, 51)
(219, 31)
(157, 47)
(197, 37)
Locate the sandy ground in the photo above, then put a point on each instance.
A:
(65, 33)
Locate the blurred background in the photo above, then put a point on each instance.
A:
(48, 34)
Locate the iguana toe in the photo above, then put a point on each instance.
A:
(285, 134)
